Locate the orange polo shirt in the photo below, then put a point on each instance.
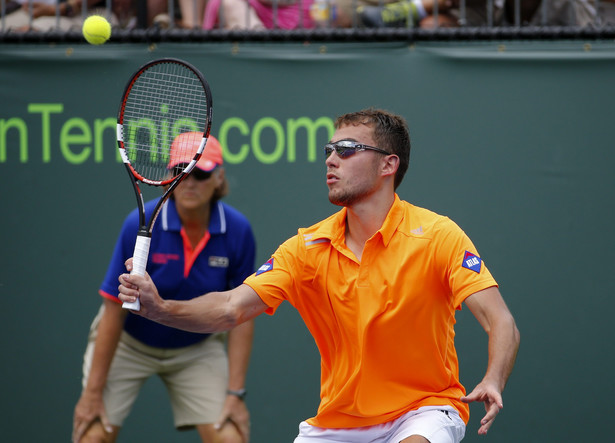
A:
(384, 325)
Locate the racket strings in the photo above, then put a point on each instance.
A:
(166, 100)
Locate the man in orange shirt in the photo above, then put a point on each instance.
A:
(377, 285)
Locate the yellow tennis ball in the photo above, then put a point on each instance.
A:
(96, 30)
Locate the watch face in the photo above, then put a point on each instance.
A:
(241, 393)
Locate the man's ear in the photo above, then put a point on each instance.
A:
(390, 164)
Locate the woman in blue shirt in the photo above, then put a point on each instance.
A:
(198, 245)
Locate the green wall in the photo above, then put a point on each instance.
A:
(513, 141)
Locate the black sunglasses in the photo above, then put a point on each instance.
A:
(348, 148)
(197, 174)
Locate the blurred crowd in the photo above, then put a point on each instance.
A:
(44, 15)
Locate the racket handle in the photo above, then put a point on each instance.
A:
(139, 262)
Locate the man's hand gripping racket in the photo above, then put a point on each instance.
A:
(162, 100)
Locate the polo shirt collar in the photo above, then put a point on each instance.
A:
(170, 221)
(392, 221)
(334, 228)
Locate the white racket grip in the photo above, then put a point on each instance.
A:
(139, 262)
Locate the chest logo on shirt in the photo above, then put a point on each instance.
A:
(472, 262)
(161, 258)
(218, 262)
(268, 266)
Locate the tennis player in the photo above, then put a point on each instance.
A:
(199, 244)
(377, 284)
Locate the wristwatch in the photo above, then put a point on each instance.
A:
(241, 393)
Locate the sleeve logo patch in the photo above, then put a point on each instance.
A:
(472, 262)
(268, 266)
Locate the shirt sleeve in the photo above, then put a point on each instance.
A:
(274, 281)
(244, 256)
(465, 272)
(124, 248)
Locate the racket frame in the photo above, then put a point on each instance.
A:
(144, 234)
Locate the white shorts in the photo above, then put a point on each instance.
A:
(438, 424)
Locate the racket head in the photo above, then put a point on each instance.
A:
(164, 100)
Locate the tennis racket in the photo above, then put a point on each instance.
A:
(164, 99)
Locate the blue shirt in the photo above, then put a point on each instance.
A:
(225, 261)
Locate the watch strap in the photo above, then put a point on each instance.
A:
(241, 393)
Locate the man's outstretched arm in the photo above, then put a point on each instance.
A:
(492, 313)
(212, 312)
